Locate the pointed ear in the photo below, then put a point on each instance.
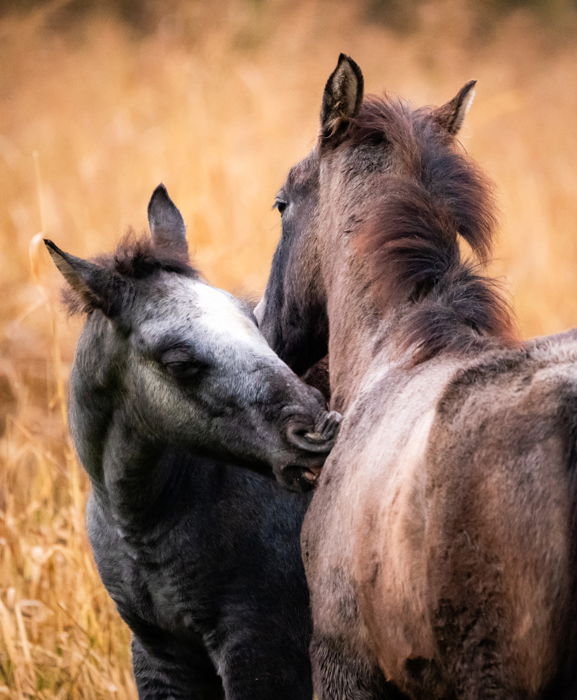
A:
(452, 114)
(341, 99)
(166, 224)
(93, 286)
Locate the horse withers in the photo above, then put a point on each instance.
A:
(178, 408)
(440, 545)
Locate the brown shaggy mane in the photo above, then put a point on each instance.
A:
(135, 258)
(410, 240)
(459, 315)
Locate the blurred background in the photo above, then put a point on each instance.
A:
(100, 101)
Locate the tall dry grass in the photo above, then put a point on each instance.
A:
(216, 102)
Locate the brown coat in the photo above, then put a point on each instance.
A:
(440, 545)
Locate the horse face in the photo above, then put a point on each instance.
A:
(203, 375)
(292, 314)
(195, 369)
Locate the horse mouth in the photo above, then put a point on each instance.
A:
(311, 476)
(298, 478)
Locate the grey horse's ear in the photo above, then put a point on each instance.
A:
(452, 114)
(341, 99)
(93, 286)
(166, 224)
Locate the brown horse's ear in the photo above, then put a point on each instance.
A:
(341, 99)
(92, 286)
(452, 114)
(166, 224)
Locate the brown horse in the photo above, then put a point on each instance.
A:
(440, 544)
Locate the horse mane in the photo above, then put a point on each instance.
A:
(135, 258)
(410, 241)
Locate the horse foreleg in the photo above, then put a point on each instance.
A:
(160, 677)
(258, 668)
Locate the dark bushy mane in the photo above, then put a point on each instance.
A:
(410, 240)
(135, 258)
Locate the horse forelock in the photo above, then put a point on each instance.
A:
(410, 239)
(135, 258)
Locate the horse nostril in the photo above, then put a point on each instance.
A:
(314, 437)
(309, 437)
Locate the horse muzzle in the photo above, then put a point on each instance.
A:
(319, 438)
(314, 443)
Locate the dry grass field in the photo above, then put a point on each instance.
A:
(217, 100)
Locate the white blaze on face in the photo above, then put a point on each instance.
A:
(221, 316)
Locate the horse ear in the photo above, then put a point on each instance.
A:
(452, 114)
(341, 99)
(166, 224)
(93, 286)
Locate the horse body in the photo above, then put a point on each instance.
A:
(440, 544)
(215, 595)
(178, 409)
(445, 576)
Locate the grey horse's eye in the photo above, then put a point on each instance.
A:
(183, 370)
(181, 364)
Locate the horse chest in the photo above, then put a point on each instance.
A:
(171, 582)
(153, 582)
(176, 606)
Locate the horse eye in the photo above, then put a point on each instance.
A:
(184, 369)
(179, 363)
(281, 205)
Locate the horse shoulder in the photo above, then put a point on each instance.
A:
(500, 511)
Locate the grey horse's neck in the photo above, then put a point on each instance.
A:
(127, 466)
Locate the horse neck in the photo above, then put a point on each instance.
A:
(359, 332)
(128, 470)
(364, 335)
